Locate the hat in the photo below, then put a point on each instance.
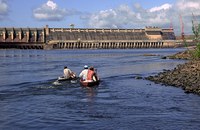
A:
(85, 66)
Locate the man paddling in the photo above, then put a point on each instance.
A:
(92, 75)
(83, 74)
(68, 73)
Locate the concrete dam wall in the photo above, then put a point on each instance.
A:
(78, 38)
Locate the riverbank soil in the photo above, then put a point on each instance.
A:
(186, 76)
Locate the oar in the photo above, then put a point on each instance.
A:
(74, 80)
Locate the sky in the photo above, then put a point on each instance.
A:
(101, 14)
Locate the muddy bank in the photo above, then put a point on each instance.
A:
(185, 76)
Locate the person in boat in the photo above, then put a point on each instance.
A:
(68, 74)
(92, 74)
(84, 72)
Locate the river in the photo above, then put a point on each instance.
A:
(30, 99)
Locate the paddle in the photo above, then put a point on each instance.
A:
(74, 80)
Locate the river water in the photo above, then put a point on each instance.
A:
(30, 99)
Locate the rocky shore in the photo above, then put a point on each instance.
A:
(185, 76)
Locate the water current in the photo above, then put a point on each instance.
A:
(30, 99)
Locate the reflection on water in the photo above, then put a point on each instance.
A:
(31, 98)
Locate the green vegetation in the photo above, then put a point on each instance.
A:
(197, 51)
(196, 31)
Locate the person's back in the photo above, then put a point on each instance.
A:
(84, 73)
(92, 76)
(67, 73)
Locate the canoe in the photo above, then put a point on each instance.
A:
(90, 83)
(62, 78)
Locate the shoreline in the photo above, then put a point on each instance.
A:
(185, 76)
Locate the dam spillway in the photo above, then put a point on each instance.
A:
(84, 38)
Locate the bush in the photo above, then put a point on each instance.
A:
(197, 51)
(196, 31)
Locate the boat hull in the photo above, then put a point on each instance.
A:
(89, 83)
(61, 78)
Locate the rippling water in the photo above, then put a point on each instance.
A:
(29, 98)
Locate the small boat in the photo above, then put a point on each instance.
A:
(62, 78)
(89, 83)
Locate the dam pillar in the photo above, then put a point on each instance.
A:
(91, 46)
(43, 37)
(12, 35)
(86, 45)
(155, 45)
(4, 35)
(100, 45)
(27, 36)
(35, 34)
(20, 35)
(47, 30)
(109, 45)
(151, 44)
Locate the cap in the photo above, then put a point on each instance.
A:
(85, 66)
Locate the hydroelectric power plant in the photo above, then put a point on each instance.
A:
(86, 38)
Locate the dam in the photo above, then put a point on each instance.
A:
(86, 38)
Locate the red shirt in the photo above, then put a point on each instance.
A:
(90, 75)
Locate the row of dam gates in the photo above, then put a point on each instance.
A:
(79, 38)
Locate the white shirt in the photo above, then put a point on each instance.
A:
(83, 74)
(67, 73)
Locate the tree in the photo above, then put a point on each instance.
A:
(72, 25)
(196, 31)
